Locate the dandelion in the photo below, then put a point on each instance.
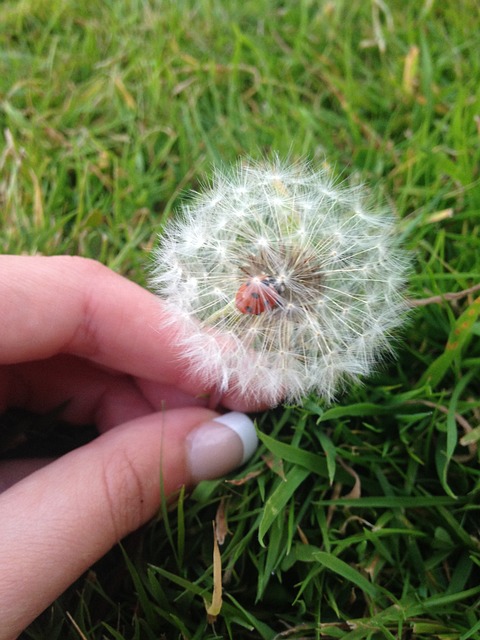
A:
(282, 282)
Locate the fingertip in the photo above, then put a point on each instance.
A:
(246, 403)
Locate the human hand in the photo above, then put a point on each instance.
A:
(75, 334)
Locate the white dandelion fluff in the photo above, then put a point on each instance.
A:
(282, 281)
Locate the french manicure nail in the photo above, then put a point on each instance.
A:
(217, 447)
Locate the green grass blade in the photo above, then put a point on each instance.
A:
(277, 501)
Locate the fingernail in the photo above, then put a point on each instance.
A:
(220, 445)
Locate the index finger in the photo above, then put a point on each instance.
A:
(66, 304)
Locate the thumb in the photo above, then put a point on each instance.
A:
(60, 519)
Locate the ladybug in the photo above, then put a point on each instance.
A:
(258, 294)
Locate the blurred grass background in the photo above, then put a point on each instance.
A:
(359, 521)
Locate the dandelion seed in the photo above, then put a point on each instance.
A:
(283, 282)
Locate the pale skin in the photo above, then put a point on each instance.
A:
(72, 331)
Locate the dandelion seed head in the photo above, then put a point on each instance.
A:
(284, 283)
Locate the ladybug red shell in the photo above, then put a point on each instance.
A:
(257, 294)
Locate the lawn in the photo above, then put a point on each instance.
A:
(357, 520)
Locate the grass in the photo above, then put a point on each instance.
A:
(358, 521)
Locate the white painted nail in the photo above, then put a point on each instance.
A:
(221, 445)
